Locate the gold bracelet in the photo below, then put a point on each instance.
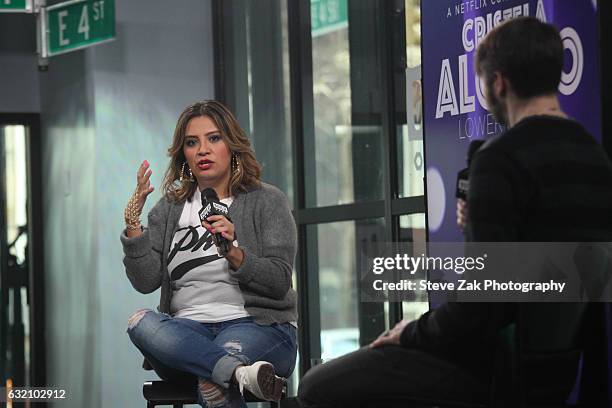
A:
(132, 213)
(133, 227)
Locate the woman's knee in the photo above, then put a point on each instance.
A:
(259, 343)
(137, 317)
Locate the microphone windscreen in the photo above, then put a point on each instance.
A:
(209, 194)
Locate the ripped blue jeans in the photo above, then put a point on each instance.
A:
(184, 350)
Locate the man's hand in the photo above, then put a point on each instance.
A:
(462, 213)
(390, 336)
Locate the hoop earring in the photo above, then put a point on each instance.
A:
(182, 177)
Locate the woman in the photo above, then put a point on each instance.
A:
(228, 321)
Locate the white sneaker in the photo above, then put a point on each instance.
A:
(261, 380)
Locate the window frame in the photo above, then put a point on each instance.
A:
(391, 35)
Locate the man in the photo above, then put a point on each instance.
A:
(545, 179)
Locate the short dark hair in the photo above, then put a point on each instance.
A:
(526, 51)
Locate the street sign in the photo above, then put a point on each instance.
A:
(16, 6)
(76, 24)
(327, 16)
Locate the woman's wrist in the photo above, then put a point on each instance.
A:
(133, 225)
(132, 230)
(131, 214)
(234, 257)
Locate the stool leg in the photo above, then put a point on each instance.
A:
(273, 404)
(177, 406)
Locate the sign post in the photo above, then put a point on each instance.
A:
(16, 6)
(327, 16)
(75, 25)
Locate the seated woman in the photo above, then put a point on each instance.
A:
(226, 319)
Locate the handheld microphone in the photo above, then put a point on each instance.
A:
(463, 177)
(212, 206)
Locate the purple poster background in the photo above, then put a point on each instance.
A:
(450, 33)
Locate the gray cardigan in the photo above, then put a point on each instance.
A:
(266, 233)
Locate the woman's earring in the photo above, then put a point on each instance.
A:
(182, 174)
(235, 164)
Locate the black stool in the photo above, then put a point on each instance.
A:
(165, 393)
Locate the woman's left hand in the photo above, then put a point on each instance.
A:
(219, 224)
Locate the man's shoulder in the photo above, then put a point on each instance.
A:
(547, 129)
(495, 146)
(521, 133)
(539, 133)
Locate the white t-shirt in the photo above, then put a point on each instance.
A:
(203, 289)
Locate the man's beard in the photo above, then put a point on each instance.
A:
(497, 108)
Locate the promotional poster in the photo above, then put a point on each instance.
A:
(455, 108)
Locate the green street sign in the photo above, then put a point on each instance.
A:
(77, 24)
(327, 16)
(16, 6)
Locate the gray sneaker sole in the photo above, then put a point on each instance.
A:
(270, 385)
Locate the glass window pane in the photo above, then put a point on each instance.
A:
(16, 306)
(16, 189)
(335, 260)
(344, 161)
(270, 96)
(257, 82)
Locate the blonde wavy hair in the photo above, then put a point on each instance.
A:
(246, 170)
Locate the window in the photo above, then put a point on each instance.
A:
(21, 310)
(344, 90)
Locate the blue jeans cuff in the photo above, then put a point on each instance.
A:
(224, 369)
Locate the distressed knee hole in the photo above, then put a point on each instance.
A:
(136, 317)
(212, 393)
(233, 347)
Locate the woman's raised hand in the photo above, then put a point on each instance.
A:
(138, 199)
(143, 184)
(462, 213)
